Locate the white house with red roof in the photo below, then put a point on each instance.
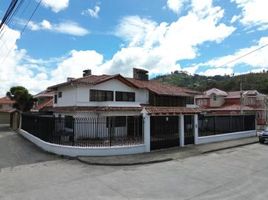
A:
(114, 115)
(126, 99)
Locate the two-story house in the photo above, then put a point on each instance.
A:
(6, 107)
(215, 101)
(121, 103)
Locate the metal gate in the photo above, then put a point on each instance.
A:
(164, 132)
(188, 129)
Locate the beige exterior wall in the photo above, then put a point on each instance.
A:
(216, 101)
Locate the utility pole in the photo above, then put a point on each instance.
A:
(241, 96)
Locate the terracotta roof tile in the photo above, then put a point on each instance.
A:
(155, 110)
(6, 100)
(93, 109)
(151, 85)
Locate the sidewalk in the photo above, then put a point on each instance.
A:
(167, 154)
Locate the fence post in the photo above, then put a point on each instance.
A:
(196, 128)
(181, 129)
(147, 132)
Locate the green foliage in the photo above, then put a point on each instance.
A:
(251, 81)
(23, 99)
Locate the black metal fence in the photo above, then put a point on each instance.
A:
(215, 125)
(86, 132)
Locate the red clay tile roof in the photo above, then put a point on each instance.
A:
(44, 93)
(153, 86)
(234, 107)
(45, 105)
(93, 109)
(6, 100)
(162, 89)
(155, 110)
(92, 80)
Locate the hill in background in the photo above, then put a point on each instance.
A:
(251, 81)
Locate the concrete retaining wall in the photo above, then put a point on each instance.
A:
(73, 151)
(227, 136)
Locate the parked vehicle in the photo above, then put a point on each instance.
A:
(263, 135)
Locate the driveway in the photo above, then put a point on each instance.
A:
(239, 173)
(15, 150)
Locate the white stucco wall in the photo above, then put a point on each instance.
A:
(80, 95)
(74, 151)
(227, 136)
(68, 96)
(219, 101)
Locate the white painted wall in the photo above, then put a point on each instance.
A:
(73, 151)
(80, 95)
(69, 95)
(219, 101)
(223, 137)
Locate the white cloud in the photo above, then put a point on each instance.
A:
(217, 71)
(68, 27)
(254, 12)
(77, 61)
(235, 18)
(56, 5)
(175, 5)
(92, 12)
(159, 47)
(258, 59)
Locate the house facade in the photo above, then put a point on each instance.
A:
(218, 102)
(128, 106)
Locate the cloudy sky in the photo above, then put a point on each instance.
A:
(67, 36)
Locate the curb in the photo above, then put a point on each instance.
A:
(230, 147)
(125, 164)
(159, 160)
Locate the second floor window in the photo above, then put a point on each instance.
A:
(125, 96)
(55, 99)
(101, 95)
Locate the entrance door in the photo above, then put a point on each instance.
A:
(188, 129)
(164, 131)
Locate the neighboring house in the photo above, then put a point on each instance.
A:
(44, 101)
(6, 107)
(215, 101)
(123, 100)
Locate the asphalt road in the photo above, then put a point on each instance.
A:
(239, 173)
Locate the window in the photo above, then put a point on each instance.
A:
(214, 97)
(119, 121)
(55, 99)
(125, 96)
(60, 94)
(101, 95)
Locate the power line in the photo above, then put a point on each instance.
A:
(24, 28)
(242, 56)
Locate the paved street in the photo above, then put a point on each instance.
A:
(238, 173)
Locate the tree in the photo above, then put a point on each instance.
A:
(24, 101)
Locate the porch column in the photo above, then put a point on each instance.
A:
(147, 132)
(181, 130)
(196, 128)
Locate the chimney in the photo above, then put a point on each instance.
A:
(87, 72)
(70, 79)
(140, 74)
